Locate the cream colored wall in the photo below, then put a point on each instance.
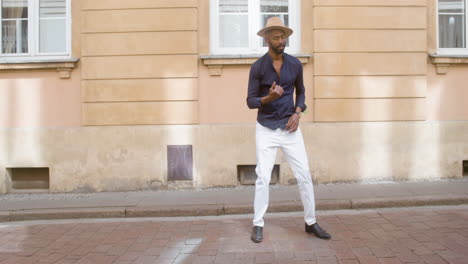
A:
(364, 53)
(119, 158)
(141, 66)
(447, 94)
(367, 70)
(40, 98)
(223, 98)
(111, 48)
(139, 62)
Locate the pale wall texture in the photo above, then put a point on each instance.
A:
(39, 99)
(136, 50)
(134, 158)
(447, 94)
(136, 68)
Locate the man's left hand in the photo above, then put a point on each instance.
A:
(293, 123)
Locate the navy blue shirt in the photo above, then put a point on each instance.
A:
(262, 75)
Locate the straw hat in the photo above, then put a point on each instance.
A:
(275, 23)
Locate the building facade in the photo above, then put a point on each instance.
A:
(116, 95)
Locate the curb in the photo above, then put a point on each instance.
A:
(409, 201)
(227, 209)
(66, 213)
(173, 211)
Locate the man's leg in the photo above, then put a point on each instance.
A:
(266, 143)
(294, 149)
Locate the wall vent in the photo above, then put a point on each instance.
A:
(29, 179)
(179, 163)
(247, 176)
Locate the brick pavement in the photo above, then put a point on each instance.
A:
(385, 236)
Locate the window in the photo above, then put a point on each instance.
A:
(452, 25)
(34, 28)
(235, 23)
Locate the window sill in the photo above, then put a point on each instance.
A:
(443, 62)
(215, 63)
(63, 66)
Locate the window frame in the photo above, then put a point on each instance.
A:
(452, 51)
(34, 53)
(255, 42)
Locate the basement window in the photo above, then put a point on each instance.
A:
(29, 179)
(247, 176)
(465, 168)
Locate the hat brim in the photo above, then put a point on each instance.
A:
(287, 31)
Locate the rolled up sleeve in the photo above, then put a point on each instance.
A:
(300, 89)
(254, 100)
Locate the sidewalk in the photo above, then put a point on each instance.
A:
(41, 206)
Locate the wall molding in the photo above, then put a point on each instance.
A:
(444, 62)
(215, 63)
(63, 67)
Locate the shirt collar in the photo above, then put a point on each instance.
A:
(270, 60)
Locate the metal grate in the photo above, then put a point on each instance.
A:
(179, 163)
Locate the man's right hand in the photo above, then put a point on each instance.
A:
(276, 91)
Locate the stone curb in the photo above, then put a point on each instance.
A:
(227, 209)
(4, 216)
(409, 201)
(171, 211)
(66, 213)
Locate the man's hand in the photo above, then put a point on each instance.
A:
(293, 123)
(276, 91)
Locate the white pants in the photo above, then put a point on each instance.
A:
(268, 141)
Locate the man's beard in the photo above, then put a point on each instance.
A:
(278, 50)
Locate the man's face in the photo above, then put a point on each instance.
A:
(276, 40)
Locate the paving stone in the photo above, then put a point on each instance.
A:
(192, 240)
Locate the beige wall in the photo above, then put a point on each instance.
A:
(447, 94)
(139, 62)
(40, 98)
(223, 98)
(139, 65)
(119, 158)
(368, 70)
(359, 64)
(370, 65)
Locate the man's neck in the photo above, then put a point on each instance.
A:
(274, 56)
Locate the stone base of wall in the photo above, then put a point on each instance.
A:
(123, 158)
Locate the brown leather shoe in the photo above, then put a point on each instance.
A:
(317, 230)
(257, 234)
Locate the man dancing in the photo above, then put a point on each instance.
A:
(272, 81)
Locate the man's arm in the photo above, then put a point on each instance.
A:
(293, 122)
(253, 98)
(300, 91)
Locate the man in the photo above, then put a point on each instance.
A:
(271, 87)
